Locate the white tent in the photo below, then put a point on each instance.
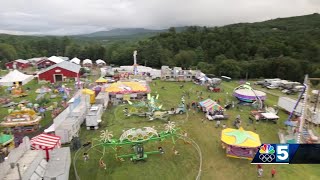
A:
(87, 61)
(75, 60)
(100, 62)
(15, 76)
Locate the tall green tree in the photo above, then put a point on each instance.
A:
(7, 53)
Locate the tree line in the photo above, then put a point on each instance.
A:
(286, 48)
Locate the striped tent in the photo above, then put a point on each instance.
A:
(209, 104)
(45, 142)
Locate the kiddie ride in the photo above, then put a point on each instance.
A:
(17, 91)
(134, 138)
(21, 121)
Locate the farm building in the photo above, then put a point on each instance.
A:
(177, 74)
(60, 72)
(35, 60)
(47, 62)
(18, 64)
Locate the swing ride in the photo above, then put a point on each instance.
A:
(136, 139)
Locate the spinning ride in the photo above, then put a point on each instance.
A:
(246, 94)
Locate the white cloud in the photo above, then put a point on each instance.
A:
(82, 16)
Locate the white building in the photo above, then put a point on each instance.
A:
(177, 74)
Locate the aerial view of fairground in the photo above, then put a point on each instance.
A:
(88, 97)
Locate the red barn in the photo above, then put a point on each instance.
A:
(47, 62)
(60, 72)
(18, 64)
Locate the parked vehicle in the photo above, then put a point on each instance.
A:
(179, 110)
(288, 91)
(298, 88)
(93, 117)
(272, 87)
(259, 83)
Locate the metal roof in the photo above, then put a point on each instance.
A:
(59, 162)
(5, 138)
(64, 65)
(22, 61)
(55, 59)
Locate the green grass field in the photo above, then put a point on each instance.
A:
(185, 166)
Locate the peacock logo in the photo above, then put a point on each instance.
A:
(266, 149)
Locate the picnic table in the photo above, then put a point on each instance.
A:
(269, 116)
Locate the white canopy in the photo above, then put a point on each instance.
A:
(270, 116)
(87, 61)
(15, 76)
(99, 61)
(75, 60)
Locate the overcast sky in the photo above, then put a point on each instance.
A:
(63, 17)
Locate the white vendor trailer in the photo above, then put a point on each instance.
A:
(69, 129)
(67, 123)
(93, 117)
(103, 99)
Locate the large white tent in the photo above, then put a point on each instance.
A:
(15, 76)
(75, 60)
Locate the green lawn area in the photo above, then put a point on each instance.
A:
(185, 166)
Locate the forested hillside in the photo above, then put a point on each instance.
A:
(287, 48)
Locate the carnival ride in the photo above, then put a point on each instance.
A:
(152, 109)
(240, 143)
(25, 120)
(136, 139)
(246, 94)
(298, 130)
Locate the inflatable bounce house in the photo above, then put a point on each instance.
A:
(240, 143)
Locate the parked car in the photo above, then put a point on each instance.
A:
(265, 84)
(272, 87)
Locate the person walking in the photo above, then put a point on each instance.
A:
(260, 171)
(273, 172)
(218, 123)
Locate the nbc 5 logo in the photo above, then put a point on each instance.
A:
(282, 153)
